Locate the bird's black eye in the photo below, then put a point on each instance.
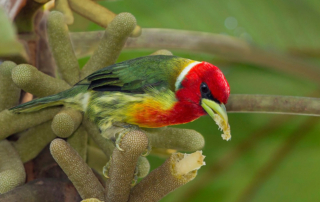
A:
(206, 93)
(204, 88)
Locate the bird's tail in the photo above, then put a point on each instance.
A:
(49, 101)
(37, 104)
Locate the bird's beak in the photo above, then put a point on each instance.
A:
(214, 109)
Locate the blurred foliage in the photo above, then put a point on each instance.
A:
(279, 26)
(9, 43)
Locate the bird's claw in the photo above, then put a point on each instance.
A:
(135, 177)
(106, 168)
(127, 129)
(148, 150)
(119, 139)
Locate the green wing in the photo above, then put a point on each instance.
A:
(136, 75)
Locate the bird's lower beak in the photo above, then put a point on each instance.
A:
(219, 114)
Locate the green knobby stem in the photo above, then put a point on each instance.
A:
(175, 138)
(111, 44)
(66, 122)
(63, 7)
(123, 165)
(11, 123)
(9, 92)
(35, 82)
(61, 48)
(12, 173)
(176, 171)
(32, 141)
(98, 14)
(77, 170)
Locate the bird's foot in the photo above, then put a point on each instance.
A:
(119, 136)
(135, 177)
(148, 150)
(106, 168)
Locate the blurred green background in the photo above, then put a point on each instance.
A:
(270, 157)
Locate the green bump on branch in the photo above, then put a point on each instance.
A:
(175, 138)
(9, 92)
(175, 172)
(35, 82)
(61, 48)
(123, 165)
(274, 104)
(33, 141)
(66, 122)
(111, 43)
(98, 14)
(79, 142)
(91, 200)
(77, 170)
(143, 167)
(11, 123)
(12, 173)
(63, 7)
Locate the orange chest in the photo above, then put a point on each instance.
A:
(154, 115)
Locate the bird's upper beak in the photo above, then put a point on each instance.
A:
(219, 114)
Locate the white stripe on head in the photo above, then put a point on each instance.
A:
(184, 72)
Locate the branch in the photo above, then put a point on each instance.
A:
(79, 173)
(274, 104)
(225, 46)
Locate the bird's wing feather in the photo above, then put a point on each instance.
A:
(136, 75)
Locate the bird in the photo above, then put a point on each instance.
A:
(149, 92)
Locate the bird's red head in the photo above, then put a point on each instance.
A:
(202, 89)
(202, 80)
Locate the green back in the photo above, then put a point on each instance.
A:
(136, 75)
